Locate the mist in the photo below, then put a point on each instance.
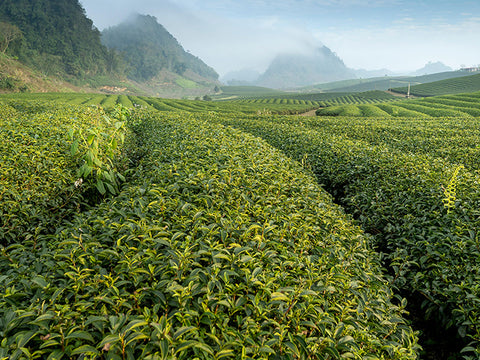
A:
(225, 44)
(229, 35)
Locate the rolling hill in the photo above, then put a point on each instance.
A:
(455, 85)
(384, 83)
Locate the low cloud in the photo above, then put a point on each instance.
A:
(231, 35)
(224, 43)
(408, 46)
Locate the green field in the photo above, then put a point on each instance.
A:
(230, 92)
(183, 229)
(387, 82)
(443, 87)
(459, 105)
(253, 106)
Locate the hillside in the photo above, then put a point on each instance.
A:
(295, 70)
(56, 38)
(466, 83)
(59, 49)
(17, 77)
(385, 83)
(154, 56)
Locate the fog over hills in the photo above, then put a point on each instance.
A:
(149, 48)
(294, 70)
(228, 35)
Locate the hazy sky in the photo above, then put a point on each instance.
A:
(229, 35)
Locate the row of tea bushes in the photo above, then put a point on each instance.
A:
(453, 140)
(39, 186)
(219, 247)
(109, 101)
(460, 106)
(422, 210)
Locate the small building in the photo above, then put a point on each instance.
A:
(470, 69)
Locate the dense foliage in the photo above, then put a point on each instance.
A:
(58, 38)
(218, 247)
(39, 181)
(148, 48)
(421, 208)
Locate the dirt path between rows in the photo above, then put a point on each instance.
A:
(309, 113)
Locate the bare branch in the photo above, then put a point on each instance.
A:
(8, 33)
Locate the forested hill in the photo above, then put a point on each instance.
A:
(57, 38)
(149, 48)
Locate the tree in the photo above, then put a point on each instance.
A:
(8, 33)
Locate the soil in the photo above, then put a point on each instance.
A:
(309, 113)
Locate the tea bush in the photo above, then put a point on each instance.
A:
(218, 247)
(39, 185)
(399, 197)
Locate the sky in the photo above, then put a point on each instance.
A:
(231, 35)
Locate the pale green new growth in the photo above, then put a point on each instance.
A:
(450, 191)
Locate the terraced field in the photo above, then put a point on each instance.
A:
(444, 87)
(323, 99)
(459, 105)
(216, 246)
(109, 101)
(176, 229)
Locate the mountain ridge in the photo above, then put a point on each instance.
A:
(57, 38)
(147, 47)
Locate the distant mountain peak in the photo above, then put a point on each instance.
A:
(295, 70)
(433, 68)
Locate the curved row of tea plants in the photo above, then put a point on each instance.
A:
(323, 99)
(219, 247)
(462, 105)
(173, 105)
(455, 140)
(40, 183)
(422, 210)
(353, 110)
(433, 109)
(456, 85)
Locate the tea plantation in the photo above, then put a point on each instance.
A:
(180, 229)
(216, 246)
(461, 105)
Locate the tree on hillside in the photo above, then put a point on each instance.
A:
(58, 38)
(8, 33)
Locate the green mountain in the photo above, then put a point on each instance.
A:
(150, 50)
(56, 38)
(295, 70)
